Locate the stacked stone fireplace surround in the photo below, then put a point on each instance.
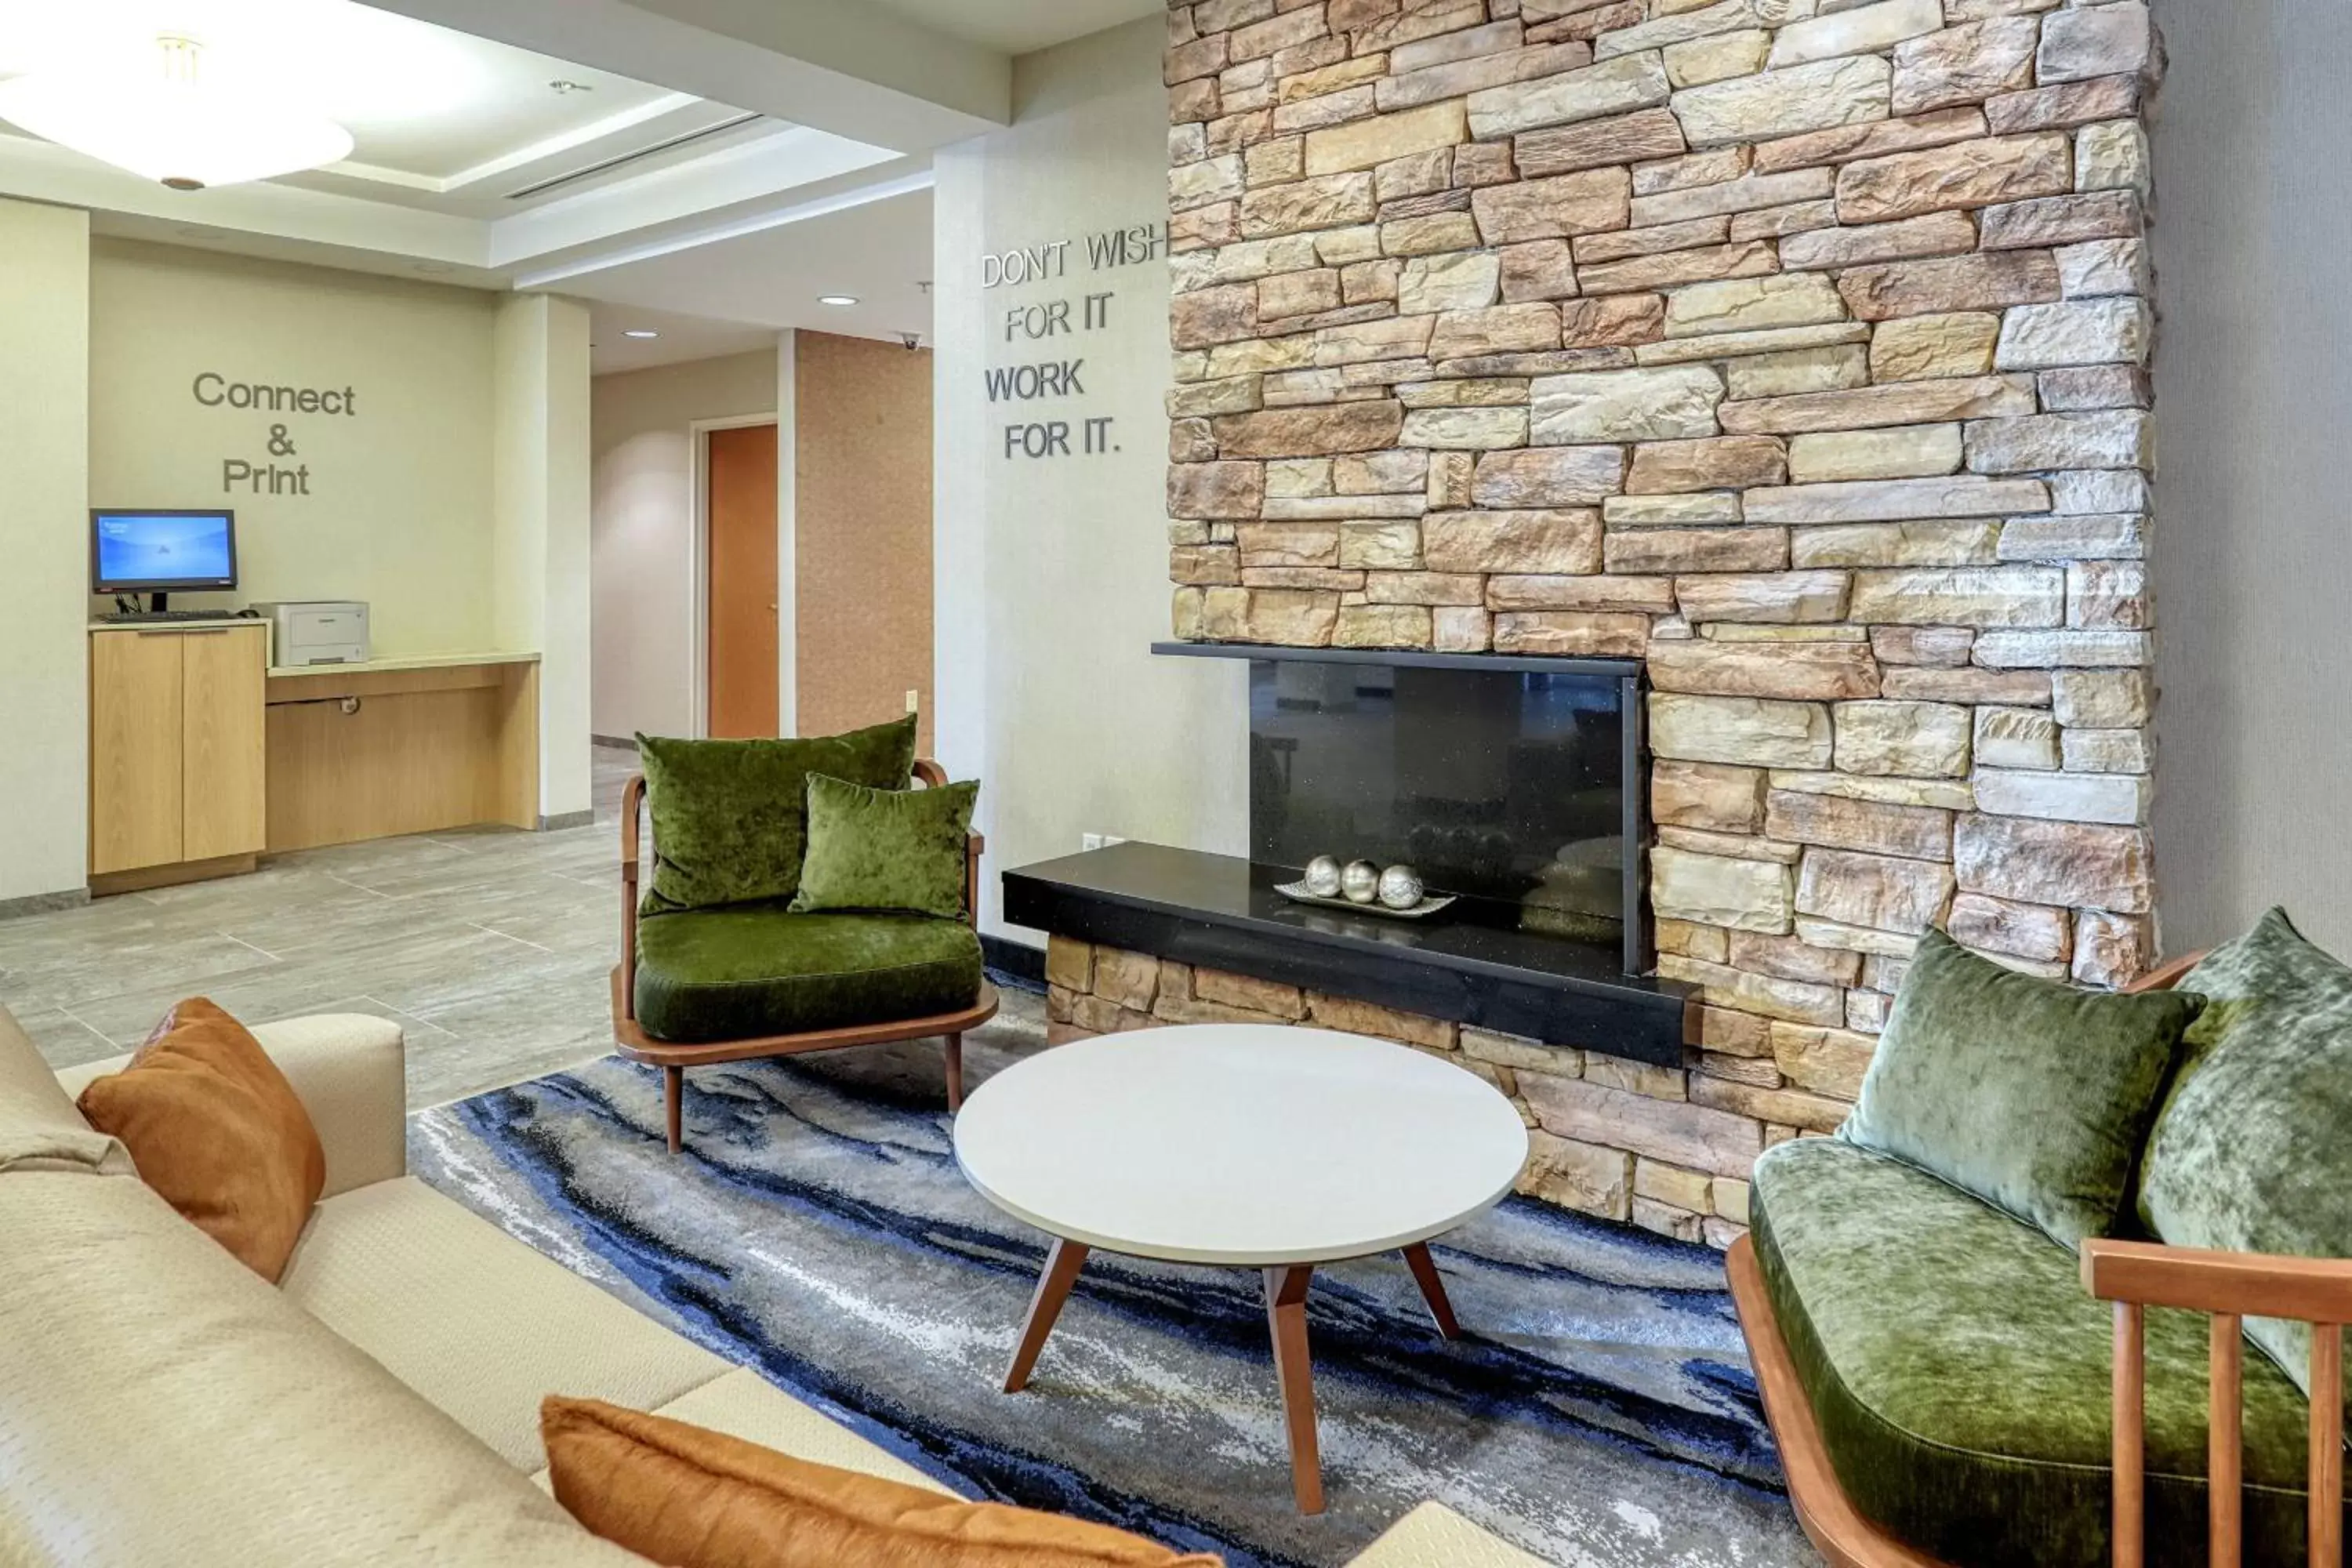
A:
(1796, 347)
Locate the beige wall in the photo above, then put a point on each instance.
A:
(2254, 376)
(1051, 574)
(44, 544)
(862, 531)
(399, 509)
(643, 545)
(539, 554)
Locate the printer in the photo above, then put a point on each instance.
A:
(317, 631)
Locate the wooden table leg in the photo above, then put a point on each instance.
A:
(1432, 1288)
(674, 1102)
(1286, 1319)
(955, 1073)
(1062, 1266)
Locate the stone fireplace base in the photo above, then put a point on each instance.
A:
(1664, 1148)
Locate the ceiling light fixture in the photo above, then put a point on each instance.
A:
(165, 124)
(836, 298)
(639, 333)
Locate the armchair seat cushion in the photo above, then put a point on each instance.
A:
(756, 970)
(1959, 1374)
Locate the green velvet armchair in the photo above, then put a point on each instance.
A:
(705, 987)
(2213, 1456)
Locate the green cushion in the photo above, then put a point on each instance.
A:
(2032, 1095)
(2251, 1152)
(1959, 1372)
(738, 974)
(730, 816)
(886, 849)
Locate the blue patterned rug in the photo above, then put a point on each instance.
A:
(1598, 1413)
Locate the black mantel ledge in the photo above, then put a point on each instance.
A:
(1416, 659)
(1220, 912)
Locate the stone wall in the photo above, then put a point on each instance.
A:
(1798, 347)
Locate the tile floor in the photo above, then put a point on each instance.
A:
(490, 947)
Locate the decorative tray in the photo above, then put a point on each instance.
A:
(1297, 894)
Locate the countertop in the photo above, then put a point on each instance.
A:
(415, 661)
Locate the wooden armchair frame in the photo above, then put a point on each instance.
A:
(2231, 1287)
(2134, 1276)
(674, 1057)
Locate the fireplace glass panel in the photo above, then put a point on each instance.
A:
(1505, 786)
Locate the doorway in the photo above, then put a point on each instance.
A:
(740, 567)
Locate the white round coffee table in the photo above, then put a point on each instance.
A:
(1250, 1145)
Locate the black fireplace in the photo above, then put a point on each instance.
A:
(1517, 785)
(1513, 784)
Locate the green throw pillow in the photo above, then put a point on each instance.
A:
(2249, 1152)
(886, 849)
(730, 816)
(2031, 1095)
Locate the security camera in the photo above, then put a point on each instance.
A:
(913, 340)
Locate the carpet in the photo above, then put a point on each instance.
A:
(1598, 1413)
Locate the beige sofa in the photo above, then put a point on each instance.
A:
(159, 1403)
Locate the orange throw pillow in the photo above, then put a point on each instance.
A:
(690, 1497)
(214, 1128)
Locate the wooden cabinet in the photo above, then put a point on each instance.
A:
(224, 732)
(137, 779)
(177, 751)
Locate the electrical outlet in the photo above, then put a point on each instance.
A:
(914, 700)
(1090, 841)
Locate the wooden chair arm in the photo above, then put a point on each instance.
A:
(974, 847)
(2230, 1287)
(932, 775)
(2240, 1284)
(633, 794)
(2166, 976)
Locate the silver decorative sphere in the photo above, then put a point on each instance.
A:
(1360, 881)
(1323, 876)
(1401, 888)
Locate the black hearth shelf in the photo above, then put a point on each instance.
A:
(1531, 664)
(1465, 965)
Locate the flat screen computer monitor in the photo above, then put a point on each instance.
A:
(154, 551)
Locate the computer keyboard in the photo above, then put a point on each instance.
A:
(128, 617)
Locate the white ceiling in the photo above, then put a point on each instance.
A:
(682, 338)
(1017, 26)
(719, 170)
(429, 108)
(467, 160)
(879, 252)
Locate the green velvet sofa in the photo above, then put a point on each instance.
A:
(1940, 1379)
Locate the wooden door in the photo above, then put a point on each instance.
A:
(136, 795)
(224, 732)
(742, 565)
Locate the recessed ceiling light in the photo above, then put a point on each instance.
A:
(639, 333)
(836, 298)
